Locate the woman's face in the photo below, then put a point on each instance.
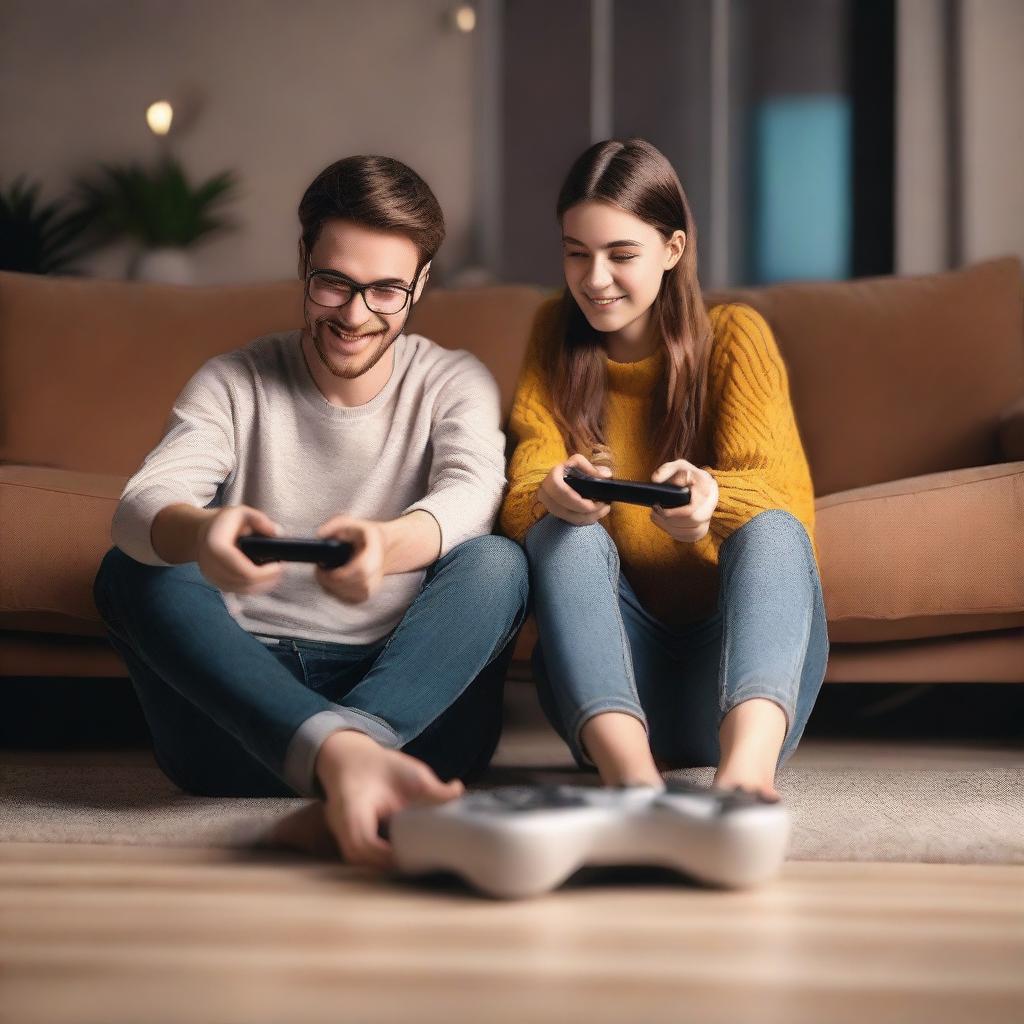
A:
(614, 263)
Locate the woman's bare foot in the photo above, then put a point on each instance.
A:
(750, 738)
(759, 786)
(365, 784)
(617, 743)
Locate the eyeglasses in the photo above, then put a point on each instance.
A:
(331, 289)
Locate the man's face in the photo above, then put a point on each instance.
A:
(351, 339)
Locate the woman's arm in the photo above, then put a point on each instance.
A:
(539, 444)
(759, 459)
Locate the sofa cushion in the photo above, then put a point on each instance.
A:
(897, 377)
(56, 530)
(1011, 432)
(89, 369)
(928, 556)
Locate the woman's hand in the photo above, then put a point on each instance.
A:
(562, 501)
(689, 522)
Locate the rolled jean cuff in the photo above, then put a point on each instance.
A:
(760, 693)
(599, 707)
(299, 769)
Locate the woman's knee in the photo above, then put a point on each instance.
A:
(552, 538)
(774, 524)
(774, 539)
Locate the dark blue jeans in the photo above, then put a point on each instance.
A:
(235, 714)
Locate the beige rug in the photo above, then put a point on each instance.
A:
(939, 809)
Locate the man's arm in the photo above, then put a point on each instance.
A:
(467, 469)
(175, 532)
(463, 494)
(411, 542)
(181, 475)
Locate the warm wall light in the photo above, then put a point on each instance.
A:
(159, 116)
(465, 17)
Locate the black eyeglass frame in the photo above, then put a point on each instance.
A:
(361, 289)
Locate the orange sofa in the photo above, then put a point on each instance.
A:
(909, 395)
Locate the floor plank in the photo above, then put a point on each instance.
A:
(145, 934)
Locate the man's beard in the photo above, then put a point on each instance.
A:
(351, 369)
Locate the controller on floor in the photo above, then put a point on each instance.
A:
(633, 492)
(519, 841)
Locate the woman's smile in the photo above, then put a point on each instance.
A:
(605, 302)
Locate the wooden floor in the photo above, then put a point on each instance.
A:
(111, 934)
(140, 934)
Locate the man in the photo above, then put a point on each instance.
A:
(364, 685)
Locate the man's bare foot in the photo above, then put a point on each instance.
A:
(306, 830)
(365, 784)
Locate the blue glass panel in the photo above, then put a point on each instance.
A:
(802, 189)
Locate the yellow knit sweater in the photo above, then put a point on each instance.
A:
(759, 461)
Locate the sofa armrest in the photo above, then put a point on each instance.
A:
(1011, 431)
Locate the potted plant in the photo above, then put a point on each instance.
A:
(40, 238)
(160, 210)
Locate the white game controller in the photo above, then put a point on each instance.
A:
(518, 841)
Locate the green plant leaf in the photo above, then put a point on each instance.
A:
(156, 207)
(38, 238)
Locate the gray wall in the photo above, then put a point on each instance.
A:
(960, 132)
(284, 89)
(545, 111)
(992, 83)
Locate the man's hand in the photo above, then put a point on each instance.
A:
(690, 522)
(562, 501)
(222, 562)
(360, 577)
(364, 785)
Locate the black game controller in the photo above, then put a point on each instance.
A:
(328, 553)
(633, 492)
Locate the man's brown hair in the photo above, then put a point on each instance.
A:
(377, 192)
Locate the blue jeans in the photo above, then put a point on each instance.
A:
(229, 710)
(599, 650)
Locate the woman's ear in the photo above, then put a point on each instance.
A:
(424, 276)
(674, 249)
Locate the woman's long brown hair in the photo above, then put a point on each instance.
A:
(634, 176)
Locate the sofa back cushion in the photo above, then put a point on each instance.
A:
(89, 369)
(889, 377)
(896, 377)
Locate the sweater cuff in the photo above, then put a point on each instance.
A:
(457, 519)
(299, 770)
(133, 523)
(521, 510)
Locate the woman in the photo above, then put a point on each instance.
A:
(668, 637)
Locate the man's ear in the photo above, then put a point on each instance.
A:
(424, 276)
(676, 247)
(302, 260)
